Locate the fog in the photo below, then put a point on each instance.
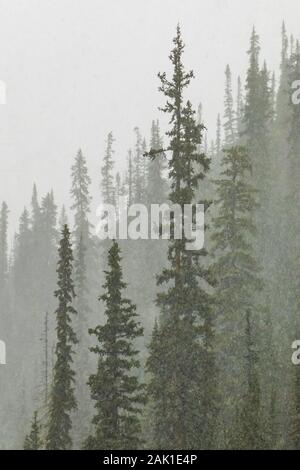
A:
(76, 69)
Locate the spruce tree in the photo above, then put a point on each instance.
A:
(180, 384)
(109, 189)
(280, 150)
(33, 440)
(256, 125)
(45, 364)
(62, 400)
(229, 114)
(115, 387)
(48, 216)
(218, 136)
(80, 196)
(283, 109)
(237, 273)
(273, 97)
(36, 210)
(85, 285)
(239, 108)
(107, 181)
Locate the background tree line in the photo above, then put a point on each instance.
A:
(132, 344)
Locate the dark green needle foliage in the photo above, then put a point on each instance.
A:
(258, 115)
(62, 400)
(181, 359)
(238, 283)
(115, 387)
(33, 441)
(85, 275)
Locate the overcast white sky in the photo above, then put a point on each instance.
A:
(76, 69)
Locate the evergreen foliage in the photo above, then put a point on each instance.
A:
(180, 383)
(62, 400)
(238, 282)
(115, 387)
(107, 183)
(33, 440)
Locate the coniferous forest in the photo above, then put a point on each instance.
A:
(143, 344)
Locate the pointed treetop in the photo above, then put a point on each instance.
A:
(285, 45)
(34, 198)
(254, 45)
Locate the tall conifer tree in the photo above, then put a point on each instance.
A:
(229, 114)
(84, 278)
(33, 440)
(182, 412)
(107, 182)
(239, 108)
(238, 282)
(62, 400)
(115, 388)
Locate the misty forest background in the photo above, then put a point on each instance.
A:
(163, 347)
